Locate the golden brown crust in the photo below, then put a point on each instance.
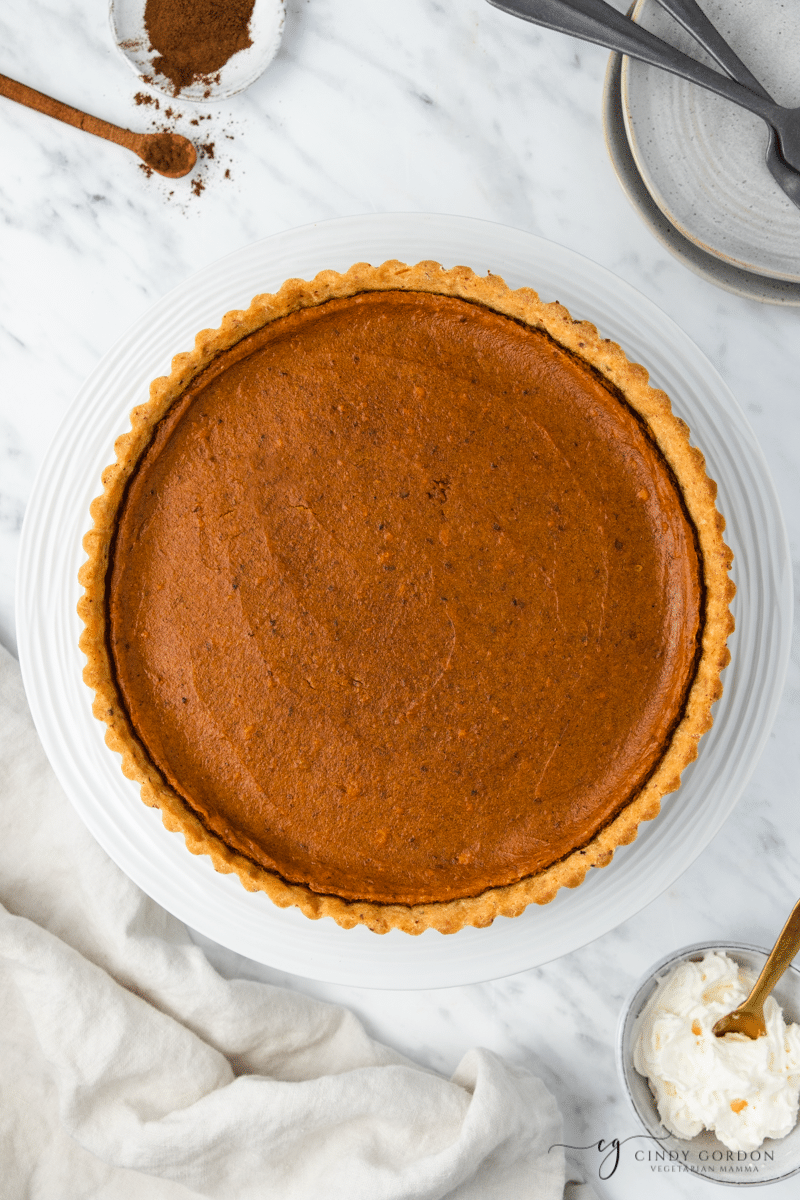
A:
(671, 435)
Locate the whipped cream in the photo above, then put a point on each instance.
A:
(742, 1090)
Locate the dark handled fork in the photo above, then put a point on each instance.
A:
(596, 21)
(690, 15)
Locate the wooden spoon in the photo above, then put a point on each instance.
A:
(166, 153)
(748, 1018)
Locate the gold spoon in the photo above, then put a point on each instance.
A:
(166, 153)
(748, 1018)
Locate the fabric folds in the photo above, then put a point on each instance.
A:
(133, 1069)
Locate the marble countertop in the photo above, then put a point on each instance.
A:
(409, 105)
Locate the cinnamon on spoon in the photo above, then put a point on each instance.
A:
(167, 154)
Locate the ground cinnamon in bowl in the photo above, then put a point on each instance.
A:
(194, 39)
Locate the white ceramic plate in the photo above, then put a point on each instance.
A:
(126, 18)
(217, 905)
(701, 157)
(707, 266)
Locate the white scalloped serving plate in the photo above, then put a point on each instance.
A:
(217, 905)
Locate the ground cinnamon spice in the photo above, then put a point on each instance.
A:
(193, 39)
(165, 153)
(161, 153)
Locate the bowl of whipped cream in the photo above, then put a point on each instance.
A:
(725, 1109)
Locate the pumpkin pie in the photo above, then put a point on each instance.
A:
(406, 597)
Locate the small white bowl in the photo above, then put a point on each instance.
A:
(130, 37)
(704, 1155)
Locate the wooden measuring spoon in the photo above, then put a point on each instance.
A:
(748, 1018)
(166, 153)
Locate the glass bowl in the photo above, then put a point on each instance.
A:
(704, 1155)
(130, 37)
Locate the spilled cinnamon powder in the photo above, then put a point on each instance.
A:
(193, 39)
(212, 161)
(142, 98)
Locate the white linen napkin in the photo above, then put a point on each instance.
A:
(131, 1069)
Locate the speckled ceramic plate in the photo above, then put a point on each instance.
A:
(714, 270)
(701, 157)
(217, 905)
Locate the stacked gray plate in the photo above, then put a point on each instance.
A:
(693, 165)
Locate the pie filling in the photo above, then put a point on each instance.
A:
(404, 600)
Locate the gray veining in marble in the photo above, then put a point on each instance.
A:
(407, 105)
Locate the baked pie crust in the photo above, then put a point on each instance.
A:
(627, 381)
